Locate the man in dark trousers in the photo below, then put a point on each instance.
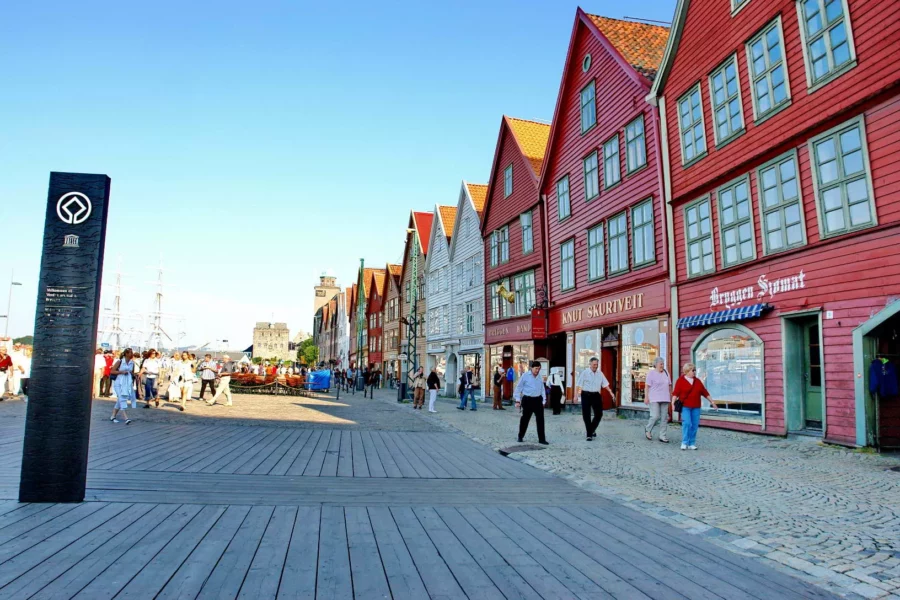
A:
(532, 397)
(587, 390)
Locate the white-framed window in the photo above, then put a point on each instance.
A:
(567, 265)
(780, 204)
(588, 107)
(737, 5)
(690, 126)
(527, 233)
(769, 86)
(470, 317)
(407, 290)
(827, 37)
(612, 169)
(635, 145)
(591, 176)
(503, 241)
(725, 92)
(499, 304)
(736, 222)
(507, 182)
(617, 230)
(523, 285)
(458, 267)
(596, 258)
(698, 238)
(736, 390)
(842, 179)
(643, 240)
(495, 251)
(563, 206)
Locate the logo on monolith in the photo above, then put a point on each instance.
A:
(73, 208)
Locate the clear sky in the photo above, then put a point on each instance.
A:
(254, 145)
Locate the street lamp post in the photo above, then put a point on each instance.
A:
(12, 282)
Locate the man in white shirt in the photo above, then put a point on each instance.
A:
(208, 374)
(223, 383)
(99, 366)
(531, 396)
(587, 390)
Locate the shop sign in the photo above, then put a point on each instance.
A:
(622, 304)
(538, 324)
(764, 288)
(614, 308)
(506, 329)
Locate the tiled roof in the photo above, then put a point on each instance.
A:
(423, 226)
(379, 275)
(396, 270)
(448, 216)
(532, 138)
(641, 44)
(367, 276)
(478, 193)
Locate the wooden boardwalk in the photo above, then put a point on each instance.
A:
(224, 511)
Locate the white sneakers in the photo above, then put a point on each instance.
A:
(692, 447)
(684, 446)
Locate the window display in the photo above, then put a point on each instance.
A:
(587, 346)
(730, 363)
(640, 347)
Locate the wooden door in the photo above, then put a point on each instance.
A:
(812, 369)
(609, 365)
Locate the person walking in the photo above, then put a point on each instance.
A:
(25, 369)
(690, 391)
(557, 385)
(498, 388)
(150, 376)
(223, 383)
(106, 382)
(186, 378)
(371, 381)
(99, 366)
(208, 373)
(434, 384)
(352, 382)
(658, 386)
(419, 389)
(468, 384)
(587, 389)
(531, 397)
(123, 385)
(6, 371)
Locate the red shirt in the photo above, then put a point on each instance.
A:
(5, 363)
(109, 362)
(688, 394)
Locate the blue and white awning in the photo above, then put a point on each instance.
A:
(723, 316)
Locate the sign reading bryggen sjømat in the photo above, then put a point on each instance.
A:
(764, 289)
(57, 426)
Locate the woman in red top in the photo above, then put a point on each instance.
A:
(689, 389)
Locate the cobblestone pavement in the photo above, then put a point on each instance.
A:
(828, 514)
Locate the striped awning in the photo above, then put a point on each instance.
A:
(723, 316)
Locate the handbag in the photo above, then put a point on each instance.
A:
(678, 403)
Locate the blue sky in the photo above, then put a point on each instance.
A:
(261, 142)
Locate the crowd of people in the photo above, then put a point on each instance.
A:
(15, 371)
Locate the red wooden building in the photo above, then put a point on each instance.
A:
(602, 181)
(375, 317)
(513, 234)
(781, 122)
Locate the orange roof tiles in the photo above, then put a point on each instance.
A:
(478, 193)
(448, 217)
(379, 276)
(396, 269)
(532, 138)
(641, 44)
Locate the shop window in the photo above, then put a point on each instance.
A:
(587, 346)
(563, 208)
(642, 234)
(769, 87)
(841, 179)
(698, 236)
(640, 347)
(729, 361)
(736, 223)
(779, 199)
(827, 40)
(611, 166)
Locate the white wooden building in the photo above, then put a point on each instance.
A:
(437, 290)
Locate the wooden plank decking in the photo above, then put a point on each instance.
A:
(226, 511)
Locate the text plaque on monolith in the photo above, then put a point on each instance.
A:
(58, 421)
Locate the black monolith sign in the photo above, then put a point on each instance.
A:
(58, 421)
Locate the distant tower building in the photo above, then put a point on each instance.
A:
(326, 290)
(271, 340)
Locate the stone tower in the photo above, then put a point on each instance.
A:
(325, 291)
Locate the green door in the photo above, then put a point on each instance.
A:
(812, 369)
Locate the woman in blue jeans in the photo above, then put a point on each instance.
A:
(689, 389)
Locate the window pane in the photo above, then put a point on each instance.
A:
(729, 362)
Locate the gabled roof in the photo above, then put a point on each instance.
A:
(395, 270)
(532, 139)
(378, 282)
(448, 216)
(681, 11)
(642, 45)
(478, 194)
(635, 47)
(422, 222)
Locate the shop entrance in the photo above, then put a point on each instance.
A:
(882, 355)
(803, 375)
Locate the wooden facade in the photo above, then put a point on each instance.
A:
(375, 317)
(513, 253)
(412, 305)
(437, 289)
(391, 323)
(790, 203)
(606, 244)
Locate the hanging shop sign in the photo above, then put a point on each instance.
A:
(764, 288)
(538, 324)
